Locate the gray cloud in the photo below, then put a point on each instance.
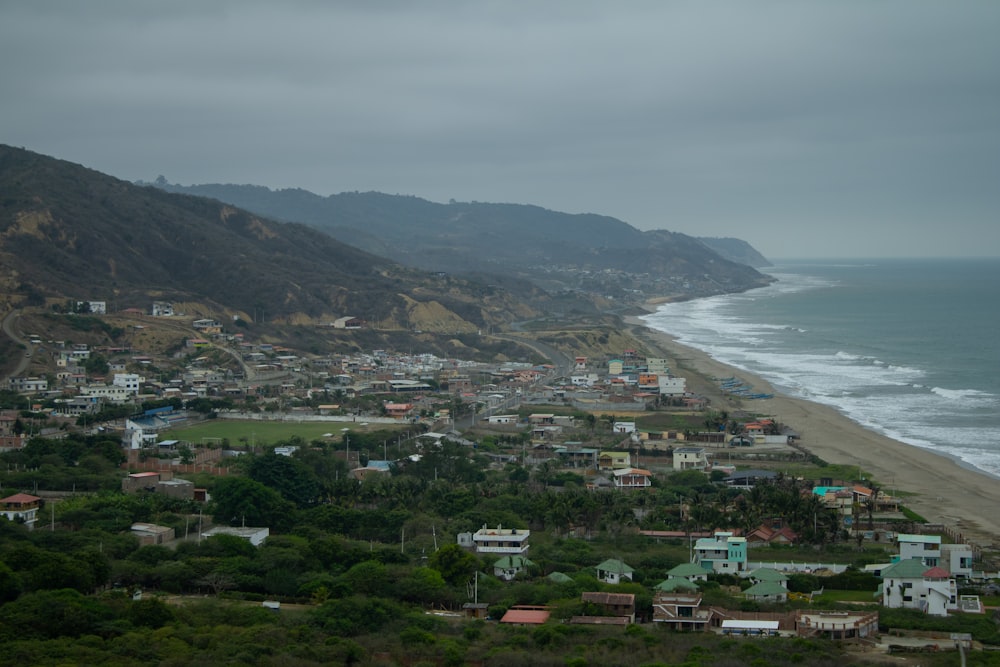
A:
(806, 128)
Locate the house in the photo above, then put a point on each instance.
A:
(398, 410)
(526, 615)
(910, 584)
(623, 427)
(680, 610)
(22, 508)
(926, 548)
(614, 571)
(576, 456)
(723, 552)
(632, 478)
(766, 591)
(690, 458)
(836, 624)
(672, 386)
(503, 419)
(957, 559)
(28, 385)
(690, 571)
(611, 604)
(207, 326)
(150, 533)
(763, 574)
(614, 460)
(141, 481)
(677, 585)
(508, 567)
(839, 498)
(348, 322)
(501, 541)
(764, 535)
(162, 309)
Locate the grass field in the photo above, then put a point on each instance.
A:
(867, 597)
(267, 433)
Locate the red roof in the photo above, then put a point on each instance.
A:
(20, 498)
(530, 616)
(937, 573)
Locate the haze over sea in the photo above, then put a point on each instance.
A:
(906, 347)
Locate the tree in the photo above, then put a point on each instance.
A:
(238, 500)
(455, 564)
(288, 475)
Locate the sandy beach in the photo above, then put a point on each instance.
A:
(945, 491)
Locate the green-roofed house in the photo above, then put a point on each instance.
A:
(613, 571)
(676, 585)
(690, 571)
(762, 574)
(509, 566)
(560, 578)
(909, 584)
(767, 591)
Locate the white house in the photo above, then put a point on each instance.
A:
(28, 385)
(129, 381)
(690, 458)
(107, 392)
(21, 507)
(503, 419)
(909, 584)
(584, 379)
(501, 541)
(162, 309)
(926, 548)
(672, 386)
(508, 567)
(632, 478)
(957, 559)
(614, 571)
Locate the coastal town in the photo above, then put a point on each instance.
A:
(604, 492)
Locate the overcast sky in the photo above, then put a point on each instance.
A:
(809, 129)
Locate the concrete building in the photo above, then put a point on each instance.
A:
(690, 458)
(21, 507)
(501, 541)
(910, 584)
(723, 552)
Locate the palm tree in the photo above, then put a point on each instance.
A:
(870, 502)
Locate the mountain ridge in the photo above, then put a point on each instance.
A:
(69, 232)
(544, 246)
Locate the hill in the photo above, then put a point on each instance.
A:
(552, 249)
(69, 233)
(737, 250)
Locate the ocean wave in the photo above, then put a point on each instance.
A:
(960, 394)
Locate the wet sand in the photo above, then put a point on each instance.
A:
(945, 491)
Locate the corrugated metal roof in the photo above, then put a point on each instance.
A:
(529, 616)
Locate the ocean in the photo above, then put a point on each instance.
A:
(909, 348)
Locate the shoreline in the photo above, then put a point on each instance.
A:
(940, 488)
